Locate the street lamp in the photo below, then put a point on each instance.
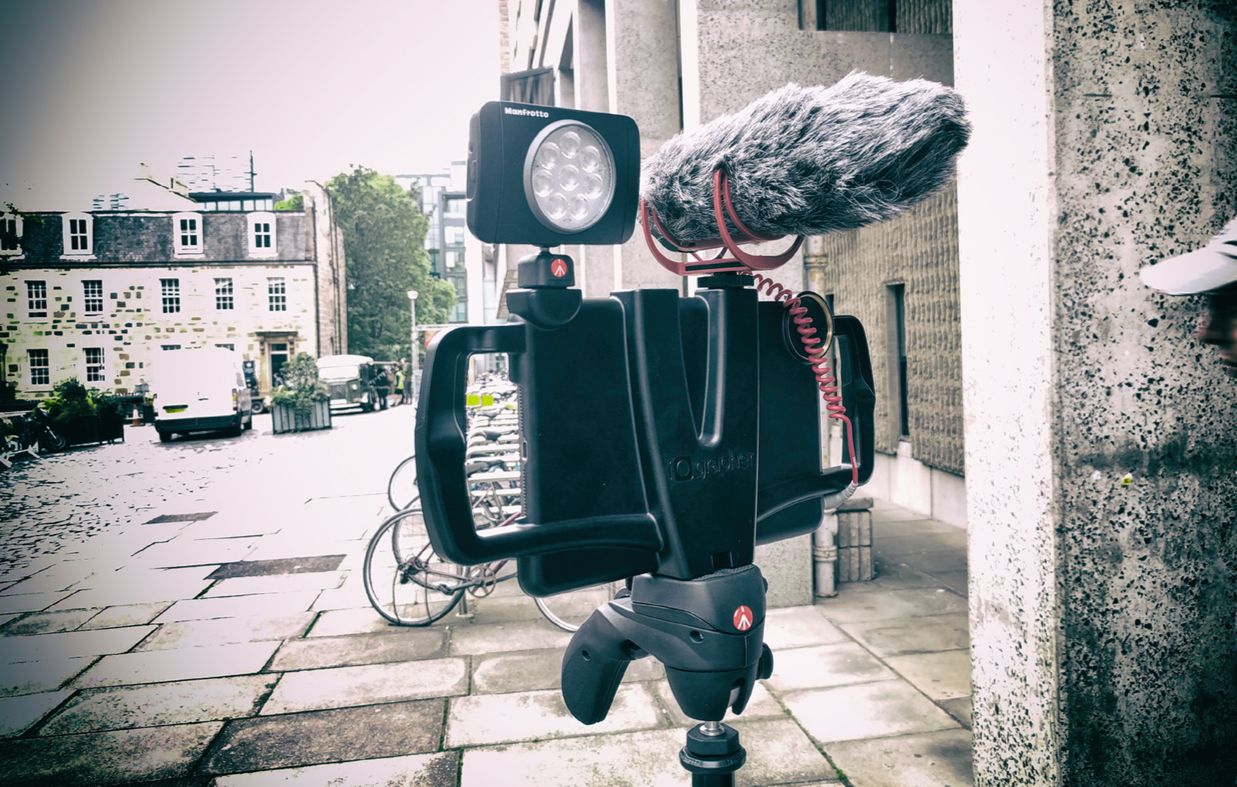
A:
(412, 370)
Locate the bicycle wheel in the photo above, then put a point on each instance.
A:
(568, 610)
(402, 490)
(406, 582)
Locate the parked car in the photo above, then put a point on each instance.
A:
(200, 390)
(350, 379)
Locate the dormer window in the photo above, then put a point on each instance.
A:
(10, 234)
(187, 233)
(262, 234)
(78, 234)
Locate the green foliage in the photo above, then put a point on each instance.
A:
(296, 202)
(384, 247)
(301, 387)
(71, 400)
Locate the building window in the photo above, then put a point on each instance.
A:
(455, 235)
(227, 346)
(40, 368)
(262, 234)
(897, 347)
(171, 295)
(36, 298)
(10, 234)
(187, 233)
(278, 295)
(94, 364)
(169, 346)
(78, 234)
(92, 296)
(223, 294)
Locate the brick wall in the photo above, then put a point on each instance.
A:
(920, 251)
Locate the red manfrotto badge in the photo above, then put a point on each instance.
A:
(743, 618)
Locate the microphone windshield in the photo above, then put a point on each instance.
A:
(812, 160)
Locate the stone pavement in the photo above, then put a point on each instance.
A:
(212, 647)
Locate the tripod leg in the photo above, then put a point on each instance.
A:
(712, 754)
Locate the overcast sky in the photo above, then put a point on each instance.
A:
(310, 86)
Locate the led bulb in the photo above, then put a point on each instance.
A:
(569, 177)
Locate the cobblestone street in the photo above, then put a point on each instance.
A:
(59, 504)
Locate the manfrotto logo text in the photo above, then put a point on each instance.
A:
(685, 468)
(532, 113)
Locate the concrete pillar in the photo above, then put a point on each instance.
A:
(1101, 440)
(643, 69)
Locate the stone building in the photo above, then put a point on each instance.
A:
(101, 294)
(1013, 344)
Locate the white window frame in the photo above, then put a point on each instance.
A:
(45, 367)
(179, 237)
(17, 220)
(86, 296)
(225, 293)
(32, 302)
(170, 295)
(277, 299)
(96, 372)
(254, 221)
(85, 223)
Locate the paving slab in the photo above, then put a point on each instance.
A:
(933, 562)
(777, 753)
(33, 677)
(284, 583)
(50, 622)
(159, 666)
(181, 702)
(825, 665)
(904, 636)
(38, 647)
(942, 676)
(183, 551)
(139, 592)
(267, 568)
(959, 708)
(57, 577)
(913, 524)
(504, 609)
(531, 715)
(927, 760)
(920, 540)
(125, 615)
(8, 616)
(223, 631)
(30, 602)
(866, 710)
(501, 673)
(18, 714)
(883, 605)
(325, 736)
(343, 687)
(505, 637)
(238, 606)
(335, 623)
(404, 644)
(797, 627)
(106, 757)
(414, 770)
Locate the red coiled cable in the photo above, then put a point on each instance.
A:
(816, 350)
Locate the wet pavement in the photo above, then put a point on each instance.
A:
(193, 614)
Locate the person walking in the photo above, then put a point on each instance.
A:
(399, 383)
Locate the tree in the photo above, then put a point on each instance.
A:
(295, 201)
(384, 248)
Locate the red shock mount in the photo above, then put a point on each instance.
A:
(749, 264)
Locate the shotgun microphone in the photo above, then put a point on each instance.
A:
(812, 160)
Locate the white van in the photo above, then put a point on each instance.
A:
(200, 390)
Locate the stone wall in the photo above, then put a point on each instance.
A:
(1101, 438)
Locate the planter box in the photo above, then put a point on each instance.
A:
(286, 419)
(93, 429)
